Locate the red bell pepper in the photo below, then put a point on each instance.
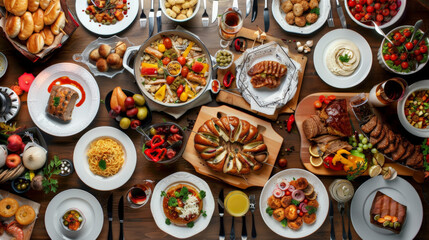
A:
(197, 67)
(228, 79)
(149, 71)
(155, 154)
(180, 90)
(156, 141)
(290, 122)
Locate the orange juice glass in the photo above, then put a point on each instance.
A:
(237, 203)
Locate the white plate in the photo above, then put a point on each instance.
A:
(82, 116)
(80, 159)
(399, 190)
(279, 16)
(74, 198)
(322, 198)
(158, 212)
(105, 30)
(421, 85)
(361, 71)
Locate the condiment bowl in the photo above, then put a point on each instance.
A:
(15, 182)
(229, 65)
(164, 11)
(61, 219)
(3, 64)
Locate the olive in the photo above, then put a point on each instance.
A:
(125, 8)
(18, 187)
(396, 225)
(107, 23)
(91, 16)
(376, 217)
(152, 131)
(87, 11)
(113, 21)
(386, 223)
(391, 224)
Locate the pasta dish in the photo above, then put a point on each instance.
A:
(105, 157)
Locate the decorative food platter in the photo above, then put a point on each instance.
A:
(21, 201)
(322, 198)
(82, 115)
(156, 205)
(271, 138)
(306, 109)
(80, 159)
(79, 199)
(399, 190)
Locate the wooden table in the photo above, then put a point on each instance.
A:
(139, 223)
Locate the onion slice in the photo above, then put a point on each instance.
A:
(298, 195)
(283, 185)
(303, 206)
(291, 188)
(278, 193)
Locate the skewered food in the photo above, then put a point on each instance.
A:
(214, 140)
(61, 102)
(387, 213)
(267, 74)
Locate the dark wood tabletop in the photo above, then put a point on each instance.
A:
(139, 223)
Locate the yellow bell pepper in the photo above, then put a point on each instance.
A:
(149, 65)
(161, 47)
(189, 92)
(188, 49)
(350, 163)
(340, 158)
(206, 68)
(160, 94)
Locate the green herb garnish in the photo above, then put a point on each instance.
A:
(284, 222)
(202, 194)
(344, 58)
(204, 213)
(315, 10)
(167, 221)
(56, 101)
(295, 202)
(311, 209)
(53, 168)
(102, 164)
(269, 211)
(190, 224)
(176, 194)
(172, 202)
(163, 194)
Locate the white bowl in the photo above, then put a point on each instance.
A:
(386, 25)
(81, 215)
(421, 85)
(381, 58)
(229, 65)
(164, 10)
(3, 64)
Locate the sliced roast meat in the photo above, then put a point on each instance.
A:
(375, 140)
(397, 154)
(377, 130)
(384, 143)
(370, 125)
(409, 150)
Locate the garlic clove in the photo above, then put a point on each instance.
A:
(307, 49)
(309, 43)
(300, 48)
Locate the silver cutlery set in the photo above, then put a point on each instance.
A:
(340, 15)
(342, 210)
(120, 215)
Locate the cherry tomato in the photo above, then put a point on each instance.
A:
(393, 13)
(385, 12)
(386, 57)
(397, 36)
(393, 6)
(407, 32)
(389, 45)
(377, 6)
(403, 56)
(179, 90)
(370, 9)
(358, 8)
(287, 193)
(327, 101)
(369, 2)
(397, 62)
(383, 1)
(402, 40)
(415, 42)
(417, 52)
(352, 3)
(181, 60)
(379, 17)
(301, 214)
(419, 58)
(361, 2)
(409, 45)
(397, 43)
(332, 97)
(185, 71)
(197, 67)
(305, 200)
(358, 16)
(421, 43)
(167, 43)
(282, 162)
(368, 16)
(170, 80)
(404, 65)
(165, 60)
(423, 49)
(322, 98)
(393, 57)
(317, 104)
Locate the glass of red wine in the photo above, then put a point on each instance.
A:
(139, 194)
(387, 92)
(230, 24)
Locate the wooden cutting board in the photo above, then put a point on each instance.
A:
(21, 201)
(305, 109)
(237, 100)
(256, 178)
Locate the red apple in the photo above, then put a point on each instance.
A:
(135, 123)
(14, 143)
(282, 162)
(132, 112)
(13, 160)
(129, 102)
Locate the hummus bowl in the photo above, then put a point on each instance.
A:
(352, 70)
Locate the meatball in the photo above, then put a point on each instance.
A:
(314, 4)
(295, 225)
(296, 1)
(305, 5)
(311, 18)
(290, 18)
(291, 212)
(298, 9)
(309, 218)
(300, 21)
(274, 202)
(286, 200)
(287, 6)
(279, 214)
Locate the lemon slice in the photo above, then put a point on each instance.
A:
(378, 158)
(316, 161)
(313, 151)
(374, 170)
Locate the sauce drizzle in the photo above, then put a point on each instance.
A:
(66, 80)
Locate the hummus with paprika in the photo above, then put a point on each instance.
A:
(342, 57)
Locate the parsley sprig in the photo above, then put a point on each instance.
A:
(344, 58)
(53, 168)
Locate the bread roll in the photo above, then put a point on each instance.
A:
(35, 43)
(102, 65)
(120, 48)
(59, 24)
(13, 26)
(104, 50)
(27, 26)
(94, 55)
(17, 7)
(33, 5)
(52, 12)
(48, 36)
(44, 4)
(38, 20)
(114, 61)
(118, 65)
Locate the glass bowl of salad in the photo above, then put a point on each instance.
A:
(402, 56)
(413, 109)
(72, 220)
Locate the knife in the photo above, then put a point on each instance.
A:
(221, 211)
(267, 16)
(341, 14)
(158, 17)
(110, 215)
(255, 10)
(331, 219)
(248, 6)
(151, 18)
(244, 229)
(214, 10)
(121, 218)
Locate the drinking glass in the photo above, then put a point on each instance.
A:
(387, 92)
(230, 24)
(139, 194)
(237, 203)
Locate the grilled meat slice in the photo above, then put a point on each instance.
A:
(409, 150)
(61, 102)
(370, 125)
(416, 159)
(397, 154)
(377, 130)
(383, 205)
(375, 140)
(384, 143)
(313, 127)
(336, 118)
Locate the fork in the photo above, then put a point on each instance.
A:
(205, 17)
(341, 208)
(349, 233)
(252, 200)
(143, 18)
(330, 19)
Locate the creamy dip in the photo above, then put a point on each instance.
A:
(341, 190)
(342, 57)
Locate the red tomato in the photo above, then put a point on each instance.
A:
(393, 13)
(361, 2)
(409, 46)
(417, 52)
(385, 12)
(370, 9)
(185, 71)
(397, 62)
(331, 97)
(421, 43)
(170, 80)
(383, 1)
(393, 6)
(358, 16)
(165, 60)
(197, 67)
(423, 49)
(167, 43)
(394, 57)
(181, 60)
(377, 6)
(317, 104)
(379, 17)
(397, 43)
(389, 44)
(397, 36)
(358, 8)
(301, 214)
(415, 42)
(179, 90)
(352, 3)
(419, 58)
(403, 39)
(368, 16)
(287, 193)
(386, 57)
(403, 56)
(305, 200)
(369, 2)
(404, 65)
(322, 98)
(407, 32)
(327, 101)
